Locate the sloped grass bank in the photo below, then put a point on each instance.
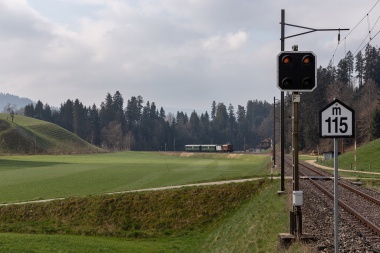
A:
(254, 227)
(251, 226)
(367, 158)
(148, 214)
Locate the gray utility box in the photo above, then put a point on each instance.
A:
(297, 198)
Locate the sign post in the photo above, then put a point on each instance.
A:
(336, 120)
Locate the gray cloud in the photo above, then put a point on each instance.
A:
(179, 54)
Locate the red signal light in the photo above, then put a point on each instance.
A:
(286, 59)
(306, 59)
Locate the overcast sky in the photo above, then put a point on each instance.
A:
(180, 54)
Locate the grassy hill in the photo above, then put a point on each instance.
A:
(31, 136)
(367, 158)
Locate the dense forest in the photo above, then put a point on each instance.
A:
(139, 126)
(136, 125)
(355, 80)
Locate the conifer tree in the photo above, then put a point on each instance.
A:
(359, 68)
(375, 125)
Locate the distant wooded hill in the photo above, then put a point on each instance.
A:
(13, 100)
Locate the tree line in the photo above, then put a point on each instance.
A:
(142, 126)
(355, 80)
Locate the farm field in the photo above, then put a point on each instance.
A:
(25, 178)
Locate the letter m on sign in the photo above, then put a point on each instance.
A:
(336, 111)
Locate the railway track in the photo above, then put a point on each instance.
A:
(359, 206)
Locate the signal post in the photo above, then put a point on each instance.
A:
(296, 73)
(287, 84)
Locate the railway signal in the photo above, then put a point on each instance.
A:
(297, 71)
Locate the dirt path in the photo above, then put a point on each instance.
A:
(313, 162)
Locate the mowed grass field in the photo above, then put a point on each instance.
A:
(251, 227)
(24, 178)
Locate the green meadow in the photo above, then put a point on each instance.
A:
(35, 177)
(242, 220)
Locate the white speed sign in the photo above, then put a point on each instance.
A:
(337, 120)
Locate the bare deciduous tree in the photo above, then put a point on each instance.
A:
(10, 109)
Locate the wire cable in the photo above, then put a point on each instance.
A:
(357, 50)
(370, 41)
(366, 15)
(353, 29)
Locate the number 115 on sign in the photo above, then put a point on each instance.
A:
(337, 125)
(337, 120)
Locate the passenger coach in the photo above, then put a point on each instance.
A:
(209, 148)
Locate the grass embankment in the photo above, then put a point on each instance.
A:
(147, 214)
(24, 178)
(31, 136)
(367, 161)
(244, 217)
(367, 158)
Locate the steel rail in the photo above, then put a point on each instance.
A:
(348, 187)
(344, 205)
(365, 221)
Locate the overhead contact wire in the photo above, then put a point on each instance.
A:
(332, 58)
(357, 50)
